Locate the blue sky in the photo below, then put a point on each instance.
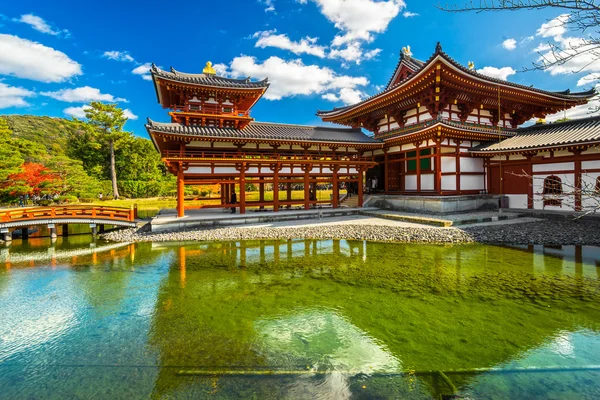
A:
(57, 55)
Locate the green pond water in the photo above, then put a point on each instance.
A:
(299, 319)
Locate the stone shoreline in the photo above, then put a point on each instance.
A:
(542, 233)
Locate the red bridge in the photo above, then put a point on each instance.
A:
(64, 215)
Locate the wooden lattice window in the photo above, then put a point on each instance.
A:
(553, 191)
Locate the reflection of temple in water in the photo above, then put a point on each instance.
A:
(283, 304)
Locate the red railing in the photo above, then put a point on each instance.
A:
(210, 109)
(190, 153)
(68, 212)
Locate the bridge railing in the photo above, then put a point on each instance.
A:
(68, 212)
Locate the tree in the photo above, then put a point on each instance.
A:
(582, 15)
(71, 178)
(33, 179)
(10, 158)
(108, 121)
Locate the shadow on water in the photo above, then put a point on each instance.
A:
(298, 319)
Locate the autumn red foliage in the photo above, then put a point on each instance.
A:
(32, 179)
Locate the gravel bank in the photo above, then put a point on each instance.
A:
(378, 233)
(543, 232)
(546, 232)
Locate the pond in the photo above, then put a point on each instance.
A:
(298, 319)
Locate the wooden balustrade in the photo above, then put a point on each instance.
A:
(191, 153)
(68, 212)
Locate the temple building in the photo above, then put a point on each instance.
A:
(439, 129)
(212, 140)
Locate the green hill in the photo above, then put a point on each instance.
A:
(53, 133)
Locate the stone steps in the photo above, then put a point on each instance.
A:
(444, 221)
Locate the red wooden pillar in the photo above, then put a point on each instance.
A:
(578, 183)
(243, 189)
(418, 155)
(360, 187)
(306, 187)
(289, 194)
(276, 189)
(180, 193)
(457, 165)
(438, 167)
(386, 173)
(336, 188)
(261, 195)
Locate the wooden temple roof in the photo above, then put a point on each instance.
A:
(544, 136)
(409, 62)
(210, 80)
(261, 131)
(439, 55)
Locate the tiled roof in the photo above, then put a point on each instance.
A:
(267, 131)
(578, 131)
(566, 94)
(208, 80)
(411, 63)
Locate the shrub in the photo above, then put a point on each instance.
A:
(67, 199)
(45, 203)
(87, 199)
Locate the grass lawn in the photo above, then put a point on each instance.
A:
(149, 207)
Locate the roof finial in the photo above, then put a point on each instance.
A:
(208, 69)
(406, 52)
(438, 47)
(471, 65)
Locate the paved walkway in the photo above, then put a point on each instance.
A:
(347, 220)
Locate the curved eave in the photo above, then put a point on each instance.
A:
(496, 152)
(186, 137)
(444, 130)
(577, 98)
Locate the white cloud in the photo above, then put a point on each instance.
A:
(498, 73)
(270, 5)
(360, 17)
(79, 112)
(555, 27)
(292, 78)
(509, 44)
(118, 56)
(541, 48)
(83, 94)
(582, 111)
(590, 78)
(30, 60)
(272, 39)
(40, 25)
(129, 115)
(351, 96)
(12, 96)
(526, 40)
(330, 97)
(408, 14)
(222, 69)
(357, 21)
(144, 71)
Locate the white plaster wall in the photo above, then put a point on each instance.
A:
(448, 182)
(430, 143)
(198, 170)
(410, 182)
(590, 164)
(378, 152)
(204, 143)
(411, 112)
(394, 149)
(408, 146)
(448, 164)
(427, 181)
(566, 166)
(445, 115)
(517, 200)
(472, 182)
(411, 120)
(472, 118)
(568, 202)
(424, 117)
(588, 185)
(468, 164)
(592, 150)
(394, 125)
(448, 149)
